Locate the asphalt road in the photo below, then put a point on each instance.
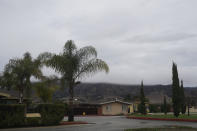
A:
(106, 123)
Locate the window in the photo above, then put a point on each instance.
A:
(124, 107)
(108, 107)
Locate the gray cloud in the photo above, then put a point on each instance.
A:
(138, 38)
(159, 37)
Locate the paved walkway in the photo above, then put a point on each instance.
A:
(106, 123)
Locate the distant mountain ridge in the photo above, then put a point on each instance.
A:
(95, 92)
(100, 92)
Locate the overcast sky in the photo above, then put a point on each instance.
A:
(138, 39)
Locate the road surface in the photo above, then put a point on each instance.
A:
(106, 123)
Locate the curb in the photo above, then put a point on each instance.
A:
(162, 119)
(73, 123)
(94, 115)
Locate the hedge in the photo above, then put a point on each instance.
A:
(51, 114)
(33, 121)
(12, 115)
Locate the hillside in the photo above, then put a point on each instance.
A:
(99, 92)
(95, 92)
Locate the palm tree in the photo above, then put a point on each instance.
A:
(74, 64)
(17, 73)
(6, 80)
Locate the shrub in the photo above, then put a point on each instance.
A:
(65, 106)
(51, 114)
(168, 106)
(31, 108)
(154, 108)
(12, 115)
(65, 109)
(33, 121)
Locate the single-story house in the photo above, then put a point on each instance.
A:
(4, 95)
(87, 108)
(10, 97)
(6, 98)
(115, 107)
(192, 109)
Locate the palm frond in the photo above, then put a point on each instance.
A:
(27, 56)
(43, 57)
(91, 67)
(69, 47)
(58, 63)
(86, 52)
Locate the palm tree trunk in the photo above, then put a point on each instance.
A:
(188, 105)
(21, 91)
(21, 96)
(71, 110)
(28, 88)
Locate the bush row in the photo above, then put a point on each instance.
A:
(14, 115)
(155, 108)
(51, 114)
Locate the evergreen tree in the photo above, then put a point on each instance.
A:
(175, 91)
(142, 106)
(165, 105)
(182, 96)
(188, 105)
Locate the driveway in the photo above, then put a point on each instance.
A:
(106, 123)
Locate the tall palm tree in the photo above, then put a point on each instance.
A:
(74, 64)
(17, 73)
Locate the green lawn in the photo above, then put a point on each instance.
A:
(168, 116)
(173, 128)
